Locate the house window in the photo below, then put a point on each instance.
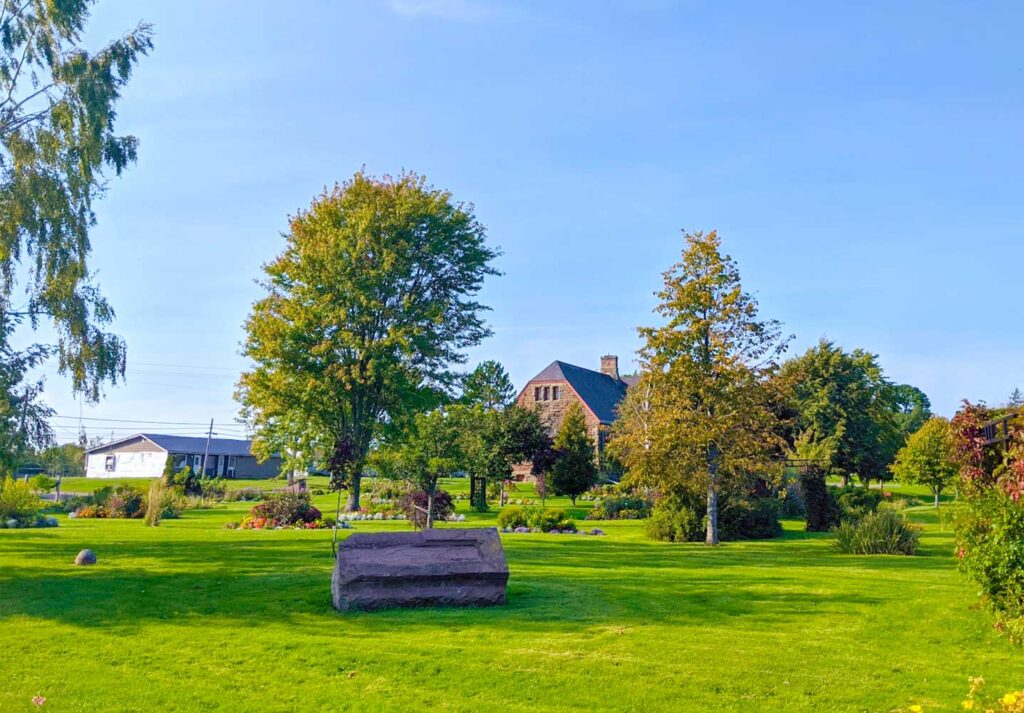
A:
(546, 391)
(197, 463)
(231, 466)
(554, 393)
(111, 464)
(536, 393)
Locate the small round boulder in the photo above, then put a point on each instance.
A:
(86, 557)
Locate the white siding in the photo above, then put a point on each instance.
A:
(148, 464)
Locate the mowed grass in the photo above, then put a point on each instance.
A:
(190, 616)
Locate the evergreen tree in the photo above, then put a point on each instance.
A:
(574, 470)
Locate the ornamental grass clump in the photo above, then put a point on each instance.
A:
(881, 533)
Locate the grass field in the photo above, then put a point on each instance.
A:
(191, 616)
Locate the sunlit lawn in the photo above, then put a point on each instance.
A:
(192, 616)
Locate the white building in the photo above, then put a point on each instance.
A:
(144, 455)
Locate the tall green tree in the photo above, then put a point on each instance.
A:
(1016, 399)
(846, 410)
(929, 458)
(368, 311)
(57, 143)
(912, 408)
(489, 385)
(57, 147)
(494, 441)
(425, 453)
(574, 470)
(705, 412)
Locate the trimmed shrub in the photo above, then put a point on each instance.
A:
(754, 519)
(672, 520)
(513, 517)
(819, 502)
(621, 507)
(414, 505)
(545, 520)
(878, 533)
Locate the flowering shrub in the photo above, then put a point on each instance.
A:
(124, 502)
(990, 525)
(282, 510)
(1011, 702)
(513, 517)
(414, 505)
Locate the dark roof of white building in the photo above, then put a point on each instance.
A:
(185, 444)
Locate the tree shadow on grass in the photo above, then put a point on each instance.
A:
(556, 583)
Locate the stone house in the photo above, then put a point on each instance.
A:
(560, 384)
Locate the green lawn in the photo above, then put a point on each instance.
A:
(191, 616)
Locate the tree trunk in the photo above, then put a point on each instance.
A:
(430, 505)
(712, 531)
(334, 535)
(353, 492)
(937, 499)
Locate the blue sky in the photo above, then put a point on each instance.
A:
(864, 163)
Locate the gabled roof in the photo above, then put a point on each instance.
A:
(187, 444)
(600, 392)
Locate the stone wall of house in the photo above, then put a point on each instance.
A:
(552, 413)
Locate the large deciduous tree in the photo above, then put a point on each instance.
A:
(703, 416)
(574, 469)
(928, 458)
(57, 144)
(367, 312)
(846, 410)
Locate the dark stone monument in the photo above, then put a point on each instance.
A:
(456, 567)
(86, 557)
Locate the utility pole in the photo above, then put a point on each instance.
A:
(209, 435)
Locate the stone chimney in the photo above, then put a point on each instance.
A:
(610, 366)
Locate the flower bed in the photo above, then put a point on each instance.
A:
(522, 530)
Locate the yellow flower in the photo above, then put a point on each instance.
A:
(1010, 698)
(916, 709)
(968, 705)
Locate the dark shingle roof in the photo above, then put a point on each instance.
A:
(599, 391)
(191, 444)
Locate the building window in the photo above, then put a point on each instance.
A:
(111, 464)
(197, 463)
(546, 392)
(231, 466)
(554, 393)
(536, 393)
